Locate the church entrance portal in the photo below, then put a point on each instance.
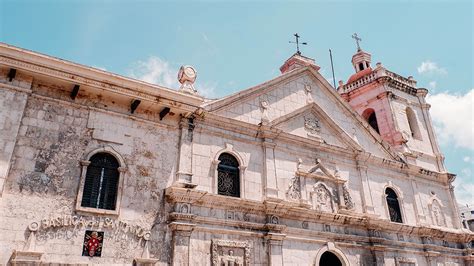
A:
(329, 259)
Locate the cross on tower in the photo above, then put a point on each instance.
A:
(357, 39)
(297, 43)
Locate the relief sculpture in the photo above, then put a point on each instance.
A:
(322, 199)
(230, 253)
(294, 190)
(347, 197)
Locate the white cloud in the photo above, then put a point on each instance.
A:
(432, 85)
(158, 71)
(429, 67)
(466, 159)
(464, 186)
(453, 118)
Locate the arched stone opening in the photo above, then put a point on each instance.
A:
(329, 259)
(371, 118)
(329, 255)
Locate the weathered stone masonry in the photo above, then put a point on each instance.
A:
(312, 172)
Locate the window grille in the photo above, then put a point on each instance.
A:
(101, 184)
(228, 179)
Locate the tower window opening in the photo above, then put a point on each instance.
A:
(413, 123)
(361, 66)
(371, 118)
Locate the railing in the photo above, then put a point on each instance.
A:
(359, 82)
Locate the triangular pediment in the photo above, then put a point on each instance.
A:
(284, 102)
(310, 122)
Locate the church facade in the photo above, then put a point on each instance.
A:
(96, 168)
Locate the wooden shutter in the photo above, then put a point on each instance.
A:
(101, 184)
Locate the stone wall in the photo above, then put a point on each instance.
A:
(43, 182)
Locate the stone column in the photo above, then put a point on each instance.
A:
(184, 172)
(180, 243)
(271, 188)
(275, 248)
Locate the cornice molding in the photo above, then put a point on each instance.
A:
(291, 210)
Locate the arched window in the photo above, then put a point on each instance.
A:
(228, 179)
(413, 123)
(101, 182)
(369, 115)
(393, 206)
(361, 66)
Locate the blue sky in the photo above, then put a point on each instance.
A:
(235, 45)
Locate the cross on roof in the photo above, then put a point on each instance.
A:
(357, 39)
(297, 43)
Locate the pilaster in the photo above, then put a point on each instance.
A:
(275, 248)
(368, 205)
(13, 98)
(271, 188)
(421, 94)
(184, 173)
(180, 243)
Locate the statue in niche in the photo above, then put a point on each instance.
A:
(437, 216)
(230, 259)
(294, 190)
(323, 199)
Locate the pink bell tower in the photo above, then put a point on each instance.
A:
(395, 108)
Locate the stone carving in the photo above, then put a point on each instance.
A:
(274, 219)
(304, 225)
(347, 198)
(185, 208)
(400, 237)
(230, 253)
(294, 189)
(427, 240)
(322, 198)
(374, 233)
(187, 76)
(436, 214)
(327, 228)
(230, 259)
(445, 243)
(312, 126)
(264, 107)
(307, 91)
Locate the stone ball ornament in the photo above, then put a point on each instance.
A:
(187, 73)
(187, 76)
(33, 227)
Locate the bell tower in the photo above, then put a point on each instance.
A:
(395, 108)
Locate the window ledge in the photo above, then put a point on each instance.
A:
(88, 210)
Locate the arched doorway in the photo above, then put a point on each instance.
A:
(329, 259)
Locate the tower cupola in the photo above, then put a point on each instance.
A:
(361, 59)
